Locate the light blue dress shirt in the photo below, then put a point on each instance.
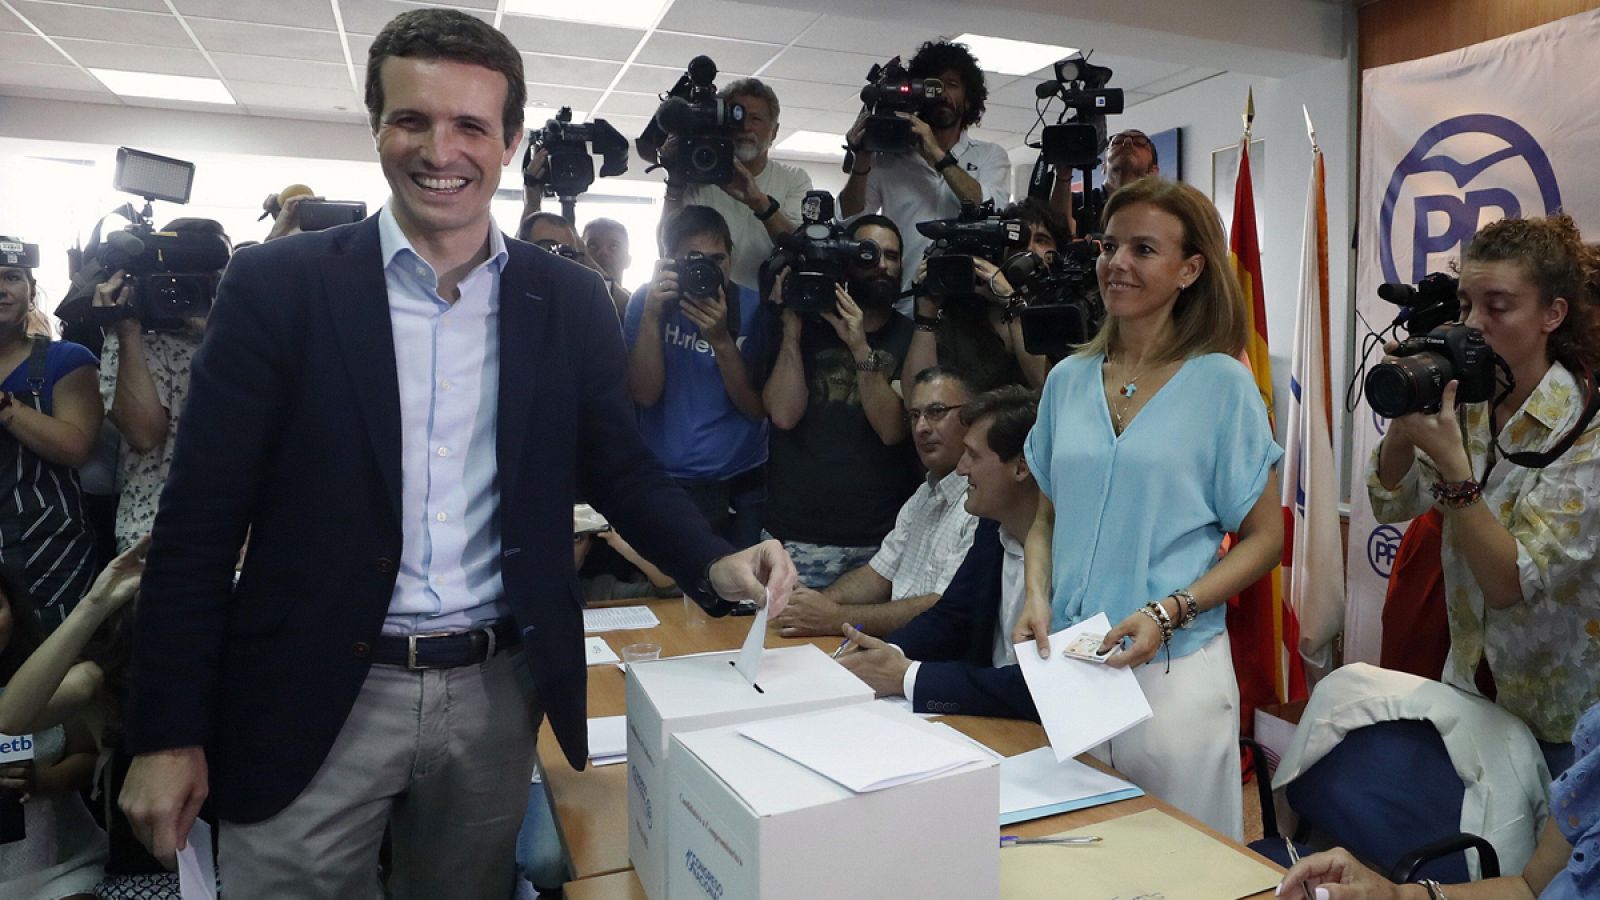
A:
(1142, 514)
(447, 356)
(1575, 806)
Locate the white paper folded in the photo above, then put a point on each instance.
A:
(598, 652)
(837, 745)
(197, 874)
(755, 643)
(1081, 704)
(608, 740)
(1035, 784)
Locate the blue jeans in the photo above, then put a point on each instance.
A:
(538, 846)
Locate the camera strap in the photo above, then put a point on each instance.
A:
(1530, 459)
(36, 361)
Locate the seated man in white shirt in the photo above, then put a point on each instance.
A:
(931, 534)
(957, 658)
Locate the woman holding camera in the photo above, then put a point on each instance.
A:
(1522, 577)
(50, 413)
(1154, 442)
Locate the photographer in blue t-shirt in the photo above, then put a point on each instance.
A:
(694, 370)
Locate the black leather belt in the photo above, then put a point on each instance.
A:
(445, 649)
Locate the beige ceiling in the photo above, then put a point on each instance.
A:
(303, 59)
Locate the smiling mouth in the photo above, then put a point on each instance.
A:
(1121, 285)
(436, 185)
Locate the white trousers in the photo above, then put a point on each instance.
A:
(1187, 753)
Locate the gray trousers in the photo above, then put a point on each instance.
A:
(442, 757)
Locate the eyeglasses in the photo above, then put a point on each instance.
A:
(1137, 138)
(933, 412)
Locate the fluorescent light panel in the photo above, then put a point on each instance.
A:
(816, 143)
(639, 14)
(163, 87)
(1008, 57)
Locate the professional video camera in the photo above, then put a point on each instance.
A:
(818, 256)
(1424, 306)
(701, 122)
(890, 91)
(975, 232)
(1055, 299)
(1078, 136)
(570, 162)
(170, 275)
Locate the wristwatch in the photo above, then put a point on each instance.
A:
(876, 361)
(772, 209)
(944, 162)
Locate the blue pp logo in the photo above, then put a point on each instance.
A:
(1382, 547)
(1461, 174)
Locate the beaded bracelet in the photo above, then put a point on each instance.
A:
(1457, 494)
(1188, 607)
(1158, 614)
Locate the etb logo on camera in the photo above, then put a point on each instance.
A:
(16, 748)
(1383, 545)
(1461, 174)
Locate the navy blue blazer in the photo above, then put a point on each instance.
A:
(292, 433)
(954, 641)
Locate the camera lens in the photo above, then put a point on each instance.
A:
(703, 157)
(1407, 385)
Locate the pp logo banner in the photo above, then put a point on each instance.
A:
(1383, 545)
(1461, 174)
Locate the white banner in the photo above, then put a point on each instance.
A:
(1449, 144)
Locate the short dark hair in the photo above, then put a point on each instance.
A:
(1013, 409)
(453, 35)
(1036, 213)
(934, 58)
(944, 373)
(881, 221)
(692, 221)
(525, 229)
(602, 223)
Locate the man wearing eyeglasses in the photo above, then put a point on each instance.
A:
(931, 534)
(1130, 155)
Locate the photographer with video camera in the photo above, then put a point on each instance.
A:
(695, 353)
(49, 416)
(1130, 156)
(144, 383)
(977, 331)
(1511, 463)
(841, 461)
(761, 197)
(941, 167)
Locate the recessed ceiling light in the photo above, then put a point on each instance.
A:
(163, 87)
(815, 143)
(624, 13)
(1008, 57)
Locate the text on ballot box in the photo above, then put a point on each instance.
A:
(689, 693)
(16, 748)
(749, 822)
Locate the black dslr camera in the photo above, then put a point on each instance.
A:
(1060, 306)
(171, 275)
(976, 232)
(570, 163)
(890, 90)
(698, 276)
(1424, 364)
(819, 255)
(702, 123)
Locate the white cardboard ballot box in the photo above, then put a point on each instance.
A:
(747, 822)
(694, 692)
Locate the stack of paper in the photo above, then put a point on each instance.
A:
(831, 744)
(608, 740)
(619, 618)
(1034, 785)
(1081, 704)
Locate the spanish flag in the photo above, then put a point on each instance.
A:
(1264, 640)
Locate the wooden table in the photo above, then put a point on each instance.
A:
(591, 807)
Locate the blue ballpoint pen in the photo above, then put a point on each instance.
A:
(844, 646)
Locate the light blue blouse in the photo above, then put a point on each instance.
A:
(1575, 805)
(1141, 515)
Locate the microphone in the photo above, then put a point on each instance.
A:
(674, 115)
(1046, 89)
(702, 70)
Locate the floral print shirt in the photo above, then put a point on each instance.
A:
(1544, 651)
(141, 475)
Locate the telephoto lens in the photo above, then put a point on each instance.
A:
(1410, 384)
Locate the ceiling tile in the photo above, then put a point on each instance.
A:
(863, 36)
(300, 13)
(543, 69)
(144, 29)
(1179, 80)
(670, 49)
(142, 5)
(284, 96)
(1011, 118)
(556, 96)
(533, 35)
(648, 79)
(217, 36)
(795, 119)
(108, 55)
(1015, 91)
(369, 16)
(269, 70)
(10, 23)
(1134, 98)
(622, 104)
(359, 45)
(825, 66)
(736, 20)
(1130, 73)
(28, 48)
(52, 76)
(811, 95)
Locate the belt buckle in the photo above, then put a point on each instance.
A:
(411, 648)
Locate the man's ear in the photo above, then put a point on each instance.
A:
(1019, 469)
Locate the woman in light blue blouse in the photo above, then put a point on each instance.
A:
(1154, 442)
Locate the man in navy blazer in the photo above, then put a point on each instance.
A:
(957, 657)
(399, 414)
